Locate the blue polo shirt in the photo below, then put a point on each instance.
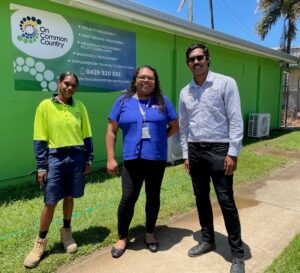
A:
(129, 117)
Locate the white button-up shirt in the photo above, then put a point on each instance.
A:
(211, 113)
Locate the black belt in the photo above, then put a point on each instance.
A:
(210, 144)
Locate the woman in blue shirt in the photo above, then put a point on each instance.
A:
(147, 119)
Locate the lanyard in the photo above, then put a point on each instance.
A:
(144, 112)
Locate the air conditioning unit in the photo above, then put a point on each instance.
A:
(174, 149)
(259, 125)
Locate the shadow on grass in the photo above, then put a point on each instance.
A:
(273, 134)
(22, 192)
(99, 176)
(91, 235)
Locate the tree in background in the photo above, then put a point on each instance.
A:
(272, 11)
(190, 13)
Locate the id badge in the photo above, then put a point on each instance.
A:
(145, 131)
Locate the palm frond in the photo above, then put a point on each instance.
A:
(267, 21)
(272, 11)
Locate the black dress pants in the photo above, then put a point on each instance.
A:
(206, 162)
(134, 173)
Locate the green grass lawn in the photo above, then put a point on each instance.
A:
(95, 215)
(289, 260)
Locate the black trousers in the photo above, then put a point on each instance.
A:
(207, 163)
(134, 173)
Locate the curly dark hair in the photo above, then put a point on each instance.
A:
(157, 92)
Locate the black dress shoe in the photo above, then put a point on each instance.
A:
(237, 266)
(153, 247)
(117, 252)
(201, 248)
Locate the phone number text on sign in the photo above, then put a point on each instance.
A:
(97, 72)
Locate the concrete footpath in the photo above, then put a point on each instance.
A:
(270, 217)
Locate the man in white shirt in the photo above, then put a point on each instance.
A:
(211, 129)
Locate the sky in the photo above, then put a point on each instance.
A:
(234, 17)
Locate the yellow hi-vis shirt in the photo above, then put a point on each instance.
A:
(61, 125)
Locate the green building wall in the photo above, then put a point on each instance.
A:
(259, 81)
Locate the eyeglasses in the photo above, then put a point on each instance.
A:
(193, 59)
(143, 78)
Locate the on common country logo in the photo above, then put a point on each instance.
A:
(29, 28)
(39, 33)
(32, 31)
